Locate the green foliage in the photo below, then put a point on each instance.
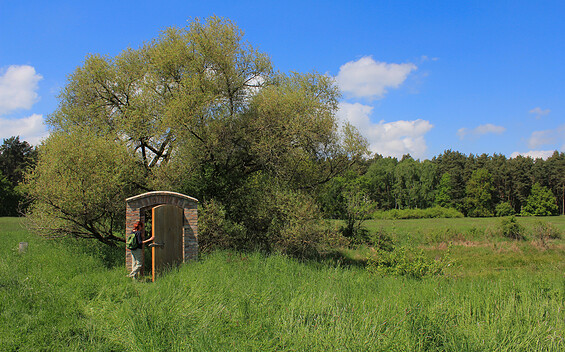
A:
(380, 179)
(443, 195)
(297, 228)
(215, 231)
(429, 213)
(357, 210)
(203, 112)
(79, 186)
(456, 165)
(9, 197)
(479, 191)
(272, 218)
(473, 184)
(545, 231)
(540, 202)
(403, 261)
(415, 183)
(347, 198)
(504, 209)
(16, 157)
(382, 241)
(510, 228)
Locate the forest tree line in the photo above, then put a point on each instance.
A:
(476, 185)
(473, 184)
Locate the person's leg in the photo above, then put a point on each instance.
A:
(136, 263)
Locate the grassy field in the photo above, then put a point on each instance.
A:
(501, 295)
(477, 246)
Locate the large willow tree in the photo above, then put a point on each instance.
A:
(201, 111)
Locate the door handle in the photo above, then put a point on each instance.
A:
(155, 244)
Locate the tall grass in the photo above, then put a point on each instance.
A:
(57, 299)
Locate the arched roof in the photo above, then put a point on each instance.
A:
(161, 197)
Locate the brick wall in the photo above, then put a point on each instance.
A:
(135, 211)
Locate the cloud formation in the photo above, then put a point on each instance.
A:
(479, 131)
(30, 129)
(539, 112)
(18, 86)
(389, 139)
(367, 78)
(534, 154)
(546, 137)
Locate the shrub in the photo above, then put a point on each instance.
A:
(429, 213)
(545, 231)
(404, 262)
(540, 202)
(504, 209)
(215, 230)
(381, 240)
(297, 228)
(512, 229)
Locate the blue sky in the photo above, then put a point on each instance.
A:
(417, 77)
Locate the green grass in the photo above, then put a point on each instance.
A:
(60, 296)
(476, 245)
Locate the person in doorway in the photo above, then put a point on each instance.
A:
(137, 254)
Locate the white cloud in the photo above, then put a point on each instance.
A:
(367, 78)
(539, 112)
(534, 154)
(18, 85)
(539, 138)
(479, 131)
(30, 129)
(425, 58)
(389, 139)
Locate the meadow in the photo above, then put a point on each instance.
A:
(499, 295)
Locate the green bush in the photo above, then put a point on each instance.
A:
(381, 240)
(428, 213)
(282, 220)
(546, 231)
(407, 262)
(540, 202)
(215, 231)
(512, 229)
(297, 228)
(504, 209)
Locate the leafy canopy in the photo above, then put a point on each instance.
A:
(196, 110)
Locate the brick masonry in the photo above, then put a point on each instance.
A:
(137, 205)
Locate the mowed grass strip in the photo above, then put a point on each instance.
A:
(60, 295)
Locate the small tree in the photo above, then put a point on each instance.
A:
(79, 186)
(358, 209)
(540, 202)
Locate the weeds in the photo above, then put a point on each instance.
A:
(510, 228)
(407, 262)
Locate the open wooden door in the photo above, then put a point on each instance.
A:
(167, 227)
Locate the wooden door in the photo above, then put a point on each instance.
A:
(167, 226)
